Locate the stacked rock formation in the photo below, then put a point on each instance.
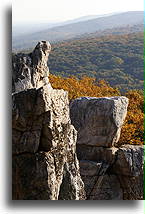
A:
(107, 171)
(45, 166)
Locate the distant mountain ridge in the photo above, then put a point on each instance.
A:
(128, 29)
(29, 28)
(80, 28)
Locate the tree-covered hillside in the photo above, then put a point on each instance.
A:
(118, 59)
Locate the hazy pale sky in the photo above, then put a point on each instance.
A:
(24, 11)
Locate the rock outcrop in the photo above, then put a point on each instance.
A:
(31, 70)
(45, 165)
(109, 172)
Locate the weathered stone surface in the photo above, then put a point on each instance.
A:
(34, 177)
(132, 187)
(129, 170)
(98, 184)
(129, 160)
(97, 154)
(108, 189)
(109, 173)
(112, 178)
(72, 182)
(89, 168)
(45, 166)
(42, 117)
(41, 124)
(98, 120)
(30, 70)
(25, 141)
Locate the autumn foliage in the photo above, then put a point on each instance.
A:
(133, 129)
(118, 59)
(86, 86)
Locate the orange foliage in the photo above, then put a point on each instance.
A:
(133, 129)
(86, 86)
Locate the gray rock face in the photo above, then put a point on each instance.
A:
(129, 160)
(115, 174)
(31, 70)
(98, 120)
(97, 154)
(108, 172)
(45, 166)
(41, 118)
(129, 169)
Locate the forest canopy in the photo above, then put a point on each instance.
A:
(117, 59)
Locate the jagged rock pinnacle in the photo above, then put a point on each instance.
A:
(31, 70)
(45, 164)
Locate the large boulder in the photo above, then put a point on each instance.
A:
(98, 120)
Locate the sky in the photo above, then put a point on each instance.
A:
(31, 11)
